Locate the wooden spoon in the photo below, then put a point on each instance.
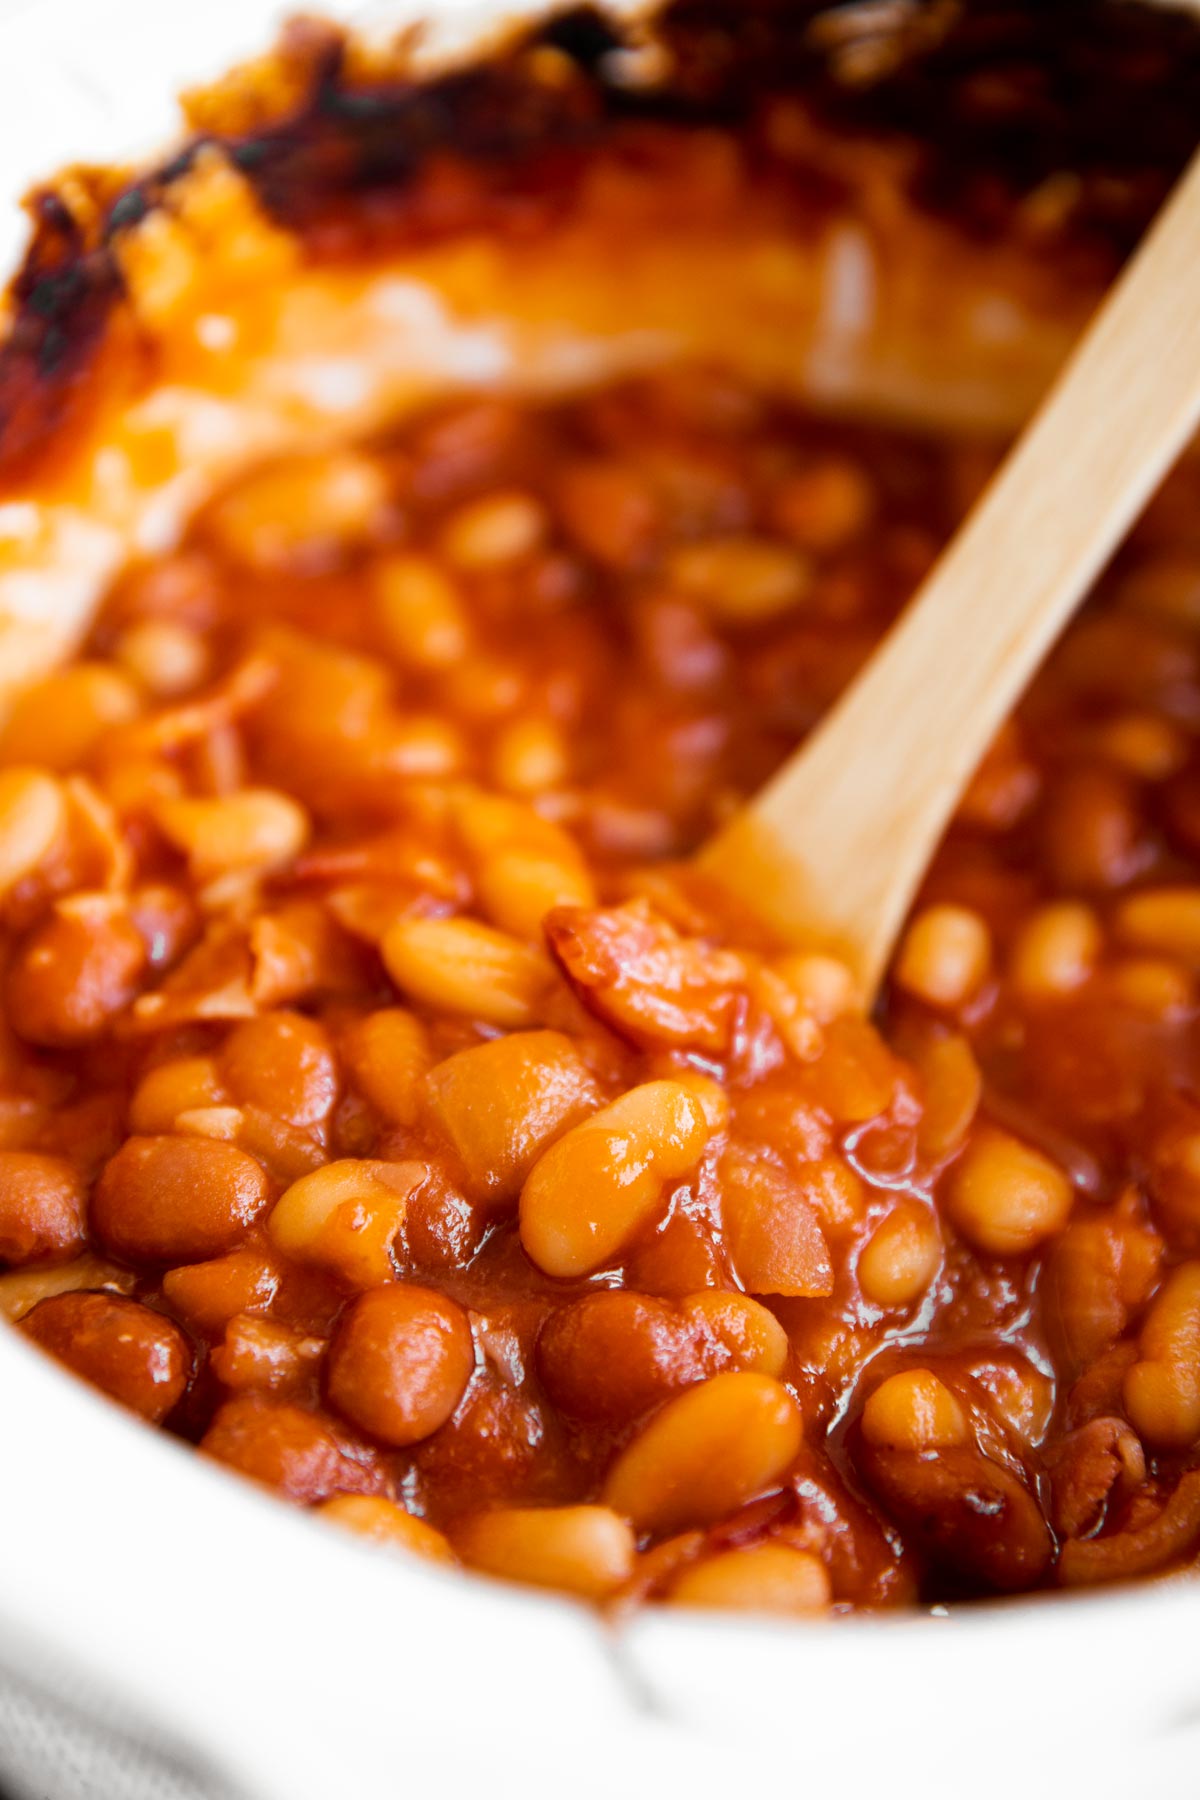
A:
(830, 854)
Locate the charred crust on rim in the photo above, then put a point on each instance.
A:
(992, 98)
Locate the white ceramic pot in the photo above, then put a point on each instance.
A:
(237, 1648)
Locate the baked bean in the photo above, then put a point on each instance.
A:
(163, 657)
(503, 1103)
(499, 528)
(901, 1257)
(529, 757)
(420, 612)
(609, 510)
(590, 1194)
(914, 1410)
(301, 1455)
(742, 580)
(1152, 985)
(209, 1294)
(300, 513)
(181, 1085)
(387, 1053)
(1098, 1271)
(399, 1362)
(1144, 745)
(136, 1356)
(383, 1522)
(254, 829)
(615, 1354)
(706, 1453)
(177, 1199)
(74, 973)
(1162, 1389)
(42, 1208)
(468, 968)
(824, 987)
(33, 817)
(1004, 1196)
(763, 1578)
(262, 1356)
(1092, 832)
(58, 722)
(951, 1089)
(1056, 951)
(283, 1063)
(523, 864)
(586, 1550)
(945, 956)
(344, 1217)
(823, 507)
(1165, 921)
(1175, 1175)
(747, 1334)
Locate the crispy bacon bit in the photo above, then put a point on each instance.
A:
(971, 1517)
(238, 693)
(649, 984)
(1100, 1460)
(1143, 1550)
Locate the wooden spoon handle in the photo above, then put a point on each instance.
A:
(832, 850)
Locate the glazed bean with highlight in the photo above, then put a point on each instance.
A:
(763, 1578)
(255, 828)
(501, 1104)
(706, 1453)
(914, 1410)
(1162, 1389)
(399, 1363)
(184, 1084)
(1056, 951)
(901, 1257)
(945, 956)
(298, 1453)
(132, 1354)
(381, 1521)
(463, 967)
(584, 1550)
(387, 1054)
(43, 1204)
(1005, 1196)
(614, 1354)
(33, 816)
(590, 1194)
(74, 973)
(283, 1063)
(177, 1199)
(344, 1217)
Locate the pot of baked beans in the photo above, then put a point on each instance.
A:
(477, 1308)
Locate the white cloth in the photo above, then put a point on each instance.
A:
(61, 1739)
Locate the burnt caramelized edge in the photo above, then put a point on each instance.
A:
(993, 98)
